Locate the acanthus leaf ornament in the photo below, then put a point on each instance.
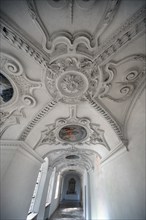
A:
(70, 78)
(71, 131)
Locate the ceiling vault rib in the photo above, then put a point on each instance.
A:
(37, 118)
(84, 56)
(127, 32)
(9, 33)
(107, 116)
(134, 26)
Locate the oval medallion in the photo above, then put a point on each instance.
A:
(72, 133)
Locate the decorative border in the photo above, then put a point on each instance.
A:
(9, 144)
(94, 134)
(107, 116)
(83, 160)
(36, 119)
(9, 33)
(134, 26)
(72, 40)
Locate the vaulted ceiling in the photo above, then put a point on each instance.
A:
(70, 73)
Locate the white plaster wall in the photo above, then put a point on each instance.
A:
(54, 201)
(18, 182)
(118, 186)
(86, 196)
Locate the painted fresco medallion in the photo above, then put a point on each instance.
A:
(6, 90)
(72, 133)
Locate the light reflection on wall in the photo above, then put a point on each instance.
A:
(102, 208)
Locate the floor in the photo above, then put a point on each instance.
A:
(68, 211)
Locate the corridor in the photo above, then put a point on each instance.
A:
(72, 107)
(68, 210)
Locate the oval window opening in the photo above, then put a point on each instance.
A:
(6, 89)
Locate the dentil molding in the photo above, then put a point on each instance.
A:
(11, 34)
(47, 108)
(132, 28)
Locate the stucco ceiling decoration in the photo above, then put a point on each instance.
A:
(72, 131)
(10, 118)
(83, 161)
(63, 37)
(71, 150)
(10, 33)
(22, 96)
(123, 86)
(127, 32)
(81, 79)
(36, 119)
(68, 79)
(76, 46)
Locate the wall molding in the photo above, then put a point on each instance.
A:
(21, 146)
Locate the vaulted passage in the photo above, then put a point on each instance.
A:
(69, 210)
(72, 109)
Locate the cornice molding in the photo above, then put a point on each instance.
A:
(132, 105)
(127, 32)
(22, 146)
(10, 33)
(113, 154)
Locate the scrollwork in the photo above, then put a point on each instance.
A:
(124, 84)
(71, 131)
(21, 85)
(29, 100)
(69, 78)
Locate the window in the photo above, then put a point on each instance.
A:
(57, 186)
(50, 188)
